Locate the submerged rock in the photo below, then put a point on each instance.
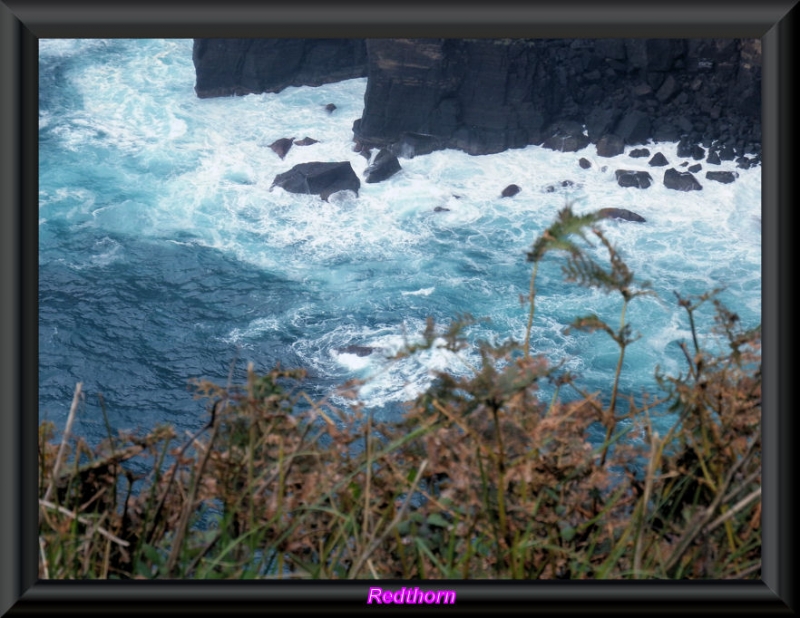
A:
(358, 350)
(561, 185)
(620, 213)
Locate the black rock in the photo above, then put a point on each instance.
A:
(620, 213)
(384, 166)
(610, 145)
(358, 350)
(510, 191)
(681, 181)
(695, 168)
(698, 154)
(723, 177)
(330, 107)
(282, 146)
(319, 178)
(566, 143)
(555, 187)
(600, 121)
(630, 178)
(658, 160)
(634, 127)
(584, 163)
(306, 141)
(666, 132)
(713, 158)
(685, 148)
(411, 145)
(638, 153)
(727, 153)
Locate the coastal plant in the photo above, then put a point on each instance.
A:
(483, 477)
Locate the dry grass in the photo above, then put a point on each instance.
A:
(481, 479)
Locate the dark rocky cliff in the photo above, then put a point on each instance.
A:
(486, 95)
(227, 67)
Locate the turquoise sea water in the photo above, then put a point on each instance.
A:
(166, 255)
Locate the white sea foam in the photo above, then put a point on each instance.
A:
(382, 261)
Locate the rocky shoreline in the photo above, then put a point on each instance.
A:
(484, 96)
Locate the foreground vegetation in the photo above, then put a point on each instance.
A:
(482, 478)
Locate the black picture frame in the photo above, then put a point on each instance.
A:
(23, 22)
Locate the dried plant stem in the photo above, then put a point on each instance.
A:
(64, 439)
(656, 448)
(85, 521)
(45, 566)
(735, 509)
(609, 416)
(188, 509)
(375, 543)
(368, 472)
(531, 296)
(700, 521)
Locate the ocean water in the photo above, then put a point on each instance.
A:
(166, 255)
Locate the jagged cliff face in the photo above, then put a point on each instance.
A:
(227, 67)
(486, 95)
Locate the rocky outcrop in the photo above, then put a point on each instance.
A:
(225, 67)
(317, 178)
(487, 95)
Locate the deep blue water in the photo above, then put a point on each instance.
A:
(165, 255)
